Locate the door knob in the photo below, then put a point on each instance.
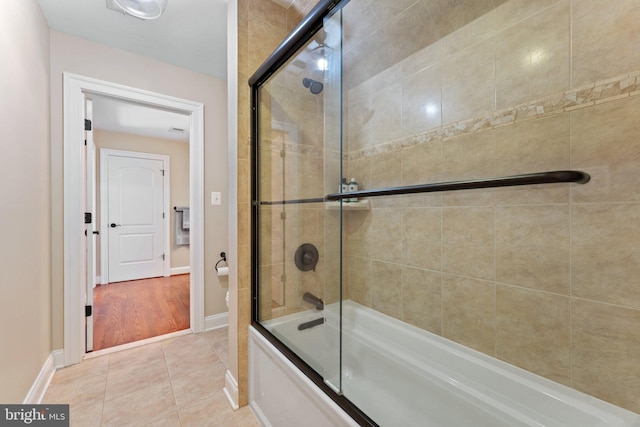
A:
(114, 225)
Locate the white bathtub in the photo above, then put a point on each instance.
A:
(400, 375)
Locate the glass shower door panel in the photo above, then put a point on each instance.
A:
(270, 227)
(296, 262)
(331, 62)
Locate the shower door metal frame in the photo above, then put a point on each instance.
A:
(303, 32)
(308, 28)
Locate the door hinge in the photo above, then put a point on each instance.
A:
(87, 124)
(162, 172)
(162, 215)
(88, 310)
(162, 257)
(87, 217)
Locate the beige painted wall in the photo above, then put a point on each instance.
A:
(74, 55)
(25, 215)
(178, 153)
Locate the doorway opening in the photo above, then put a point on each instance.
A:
(77, 289)
(142, 265)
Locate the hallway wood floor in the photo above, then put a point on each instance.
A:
(125, 312)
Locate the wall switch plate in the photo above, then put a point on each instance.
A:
(216, 198)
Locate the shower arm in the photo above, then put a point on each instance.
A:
(551, 177)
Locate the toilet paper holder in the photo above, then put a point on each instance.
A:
(223, 257)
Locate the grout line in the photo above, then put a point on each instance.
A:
(495, 277)
(571, 43)
(173, 391)
(571, 204)
(441, 268)
(104, 392)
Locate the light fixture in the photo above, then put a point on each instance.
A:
(143, 9)
(318, 55)
(322, 64)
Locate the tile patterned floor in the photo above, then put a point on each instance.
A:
(172, 383)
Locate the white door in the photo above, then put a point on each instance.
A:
(135, 217)
(90, 221)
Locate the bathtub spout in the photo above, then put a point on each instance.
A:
(310, 324)
(312, 299)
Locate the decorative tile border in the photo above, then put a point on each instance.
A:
(278, 145)
(597, 93)
(300, 149)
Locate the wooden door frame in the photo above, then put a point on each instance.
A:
(75, 87)
(104, 204)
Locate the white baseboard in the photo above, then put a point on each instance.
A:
(40, 385)
(172, 272)
(58, 358)
(231, 390)
(179, 270)
(216, 321)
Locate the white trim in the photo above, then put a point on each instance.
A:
(74, 90)
(135, 344)
(196, 220)
(233, 145)
(260, 415)
(216, 321)
(40, 385)
(90, 201)
(58, 358)
(174, 271)
(104, 206)
(231, 390)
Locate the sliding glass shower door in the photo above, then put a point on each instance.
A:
(298, 236)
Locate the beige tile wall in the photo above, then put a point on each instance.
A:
(262, 25)
(543, 277)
